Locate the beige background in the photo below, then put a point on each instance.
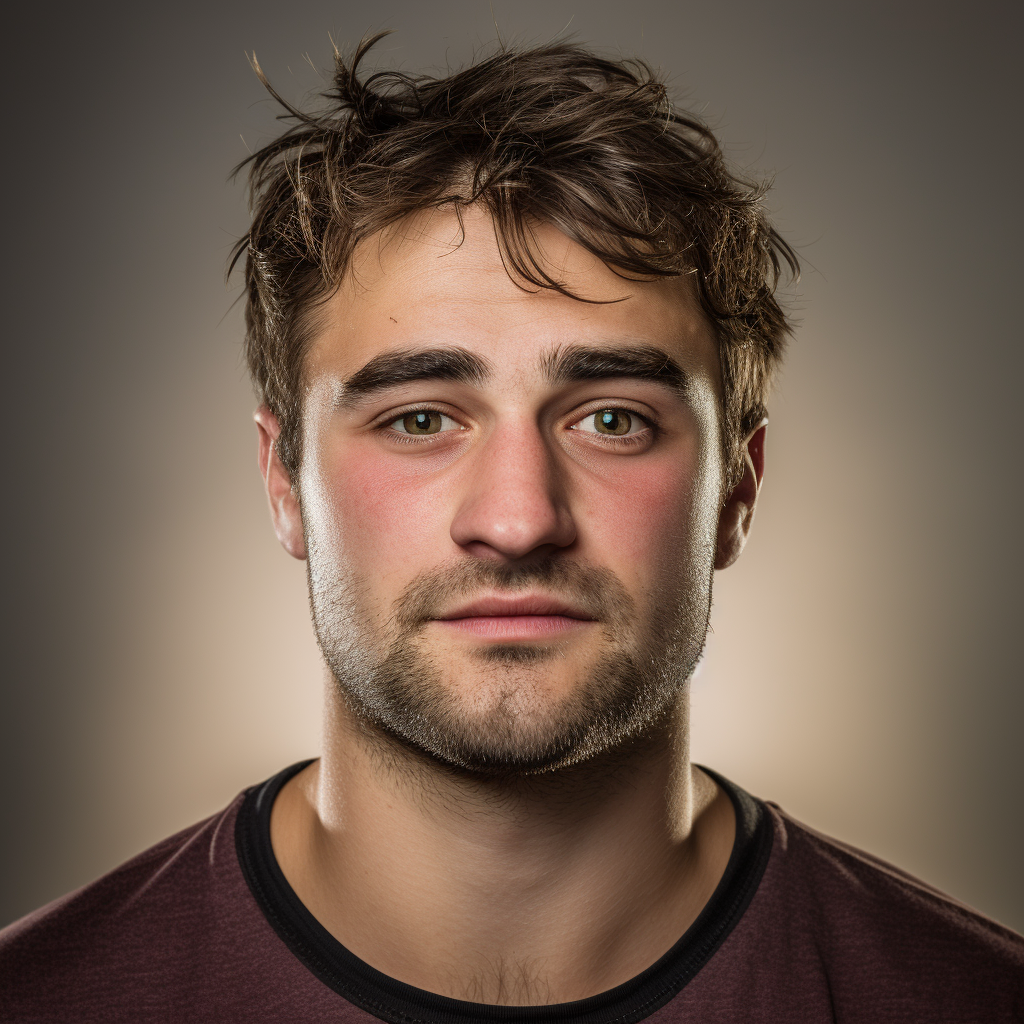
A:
(864, 669)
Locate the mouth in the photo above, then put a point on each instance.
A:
(522, 617)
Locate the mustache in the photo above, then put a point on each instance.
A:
(594, 589)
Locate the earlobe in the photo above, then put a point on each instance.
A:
(737, 513)
(285, 511)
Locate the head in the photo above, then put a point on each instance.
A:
(512, 333)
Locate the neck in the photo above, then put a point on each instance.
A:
(528, 890)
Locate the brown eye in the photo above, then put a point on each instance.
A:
(612, 421)
(424, 422)
(616, 422)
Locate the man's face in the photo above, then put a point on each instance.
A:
(509, 497)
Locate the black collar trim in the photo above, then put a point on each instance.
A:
(398, 1003)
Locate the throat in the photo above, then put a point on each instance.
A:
(517, 895)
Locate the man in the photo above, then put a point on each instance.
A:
(512, 334)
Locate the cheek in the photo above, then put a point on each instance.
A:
(654, 514)
(383, 518)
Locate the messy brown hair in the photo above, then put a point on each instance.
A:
(552, 134)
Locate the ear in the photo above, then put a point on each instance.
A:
(284, 502)
(738, 512)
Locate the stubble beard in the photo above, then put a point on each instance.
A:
(393, 684)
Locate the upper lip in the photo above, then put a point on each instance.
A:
(521, 604)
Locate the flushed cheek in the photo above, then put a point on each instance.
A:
(648, 514)
(386, 518)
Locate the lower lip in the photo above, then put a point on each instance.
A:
(515, 627)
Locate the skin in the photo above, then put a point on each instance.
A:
(559, 884)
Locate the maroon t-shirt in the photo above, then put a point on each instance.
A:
(801, 928)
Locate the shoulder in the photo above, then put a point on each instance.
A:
(880, 933)
(167, 877)
(844, 882)
(134, 923)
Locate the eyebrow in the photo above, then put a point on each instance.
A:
(568, 364)
(574, 363)
(393, 369)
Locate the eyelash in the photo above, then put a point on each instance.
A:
(623, 440)
(400, 437)
(626, 440)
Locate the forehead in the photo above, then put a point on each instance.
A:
(432, 281)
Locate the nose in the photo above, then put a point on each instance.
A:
(513, 498)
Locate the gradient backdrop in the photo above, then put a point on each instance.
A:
(864, 670)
